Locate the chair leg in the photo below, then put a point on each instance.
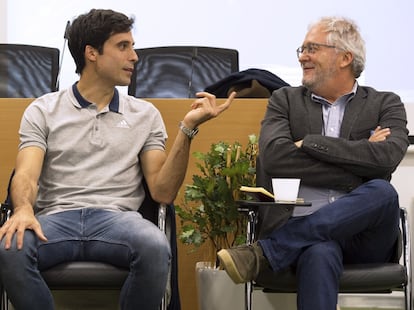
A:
(250, 236)
(408, 290)
(248, 291)
(4, 300)
(162, 225)
(408, 300)
(163, 305)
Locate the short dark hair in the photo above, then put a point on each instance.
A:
(94, 28)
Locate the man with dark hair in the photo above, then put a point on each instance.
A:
(343, 141)
(83, 155)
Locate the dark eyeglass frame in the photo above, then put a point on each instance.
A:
(311, 48)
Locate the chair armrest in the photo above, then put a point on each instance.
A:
(162, 217)
(5, 212)
(253, 205)
(281, 212)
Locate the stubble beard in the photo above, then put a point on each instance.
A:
(318, 79)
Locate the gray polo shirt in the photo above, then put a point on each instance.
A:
(91, 157)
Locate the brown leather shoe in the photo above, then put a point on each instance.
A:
(243, 263)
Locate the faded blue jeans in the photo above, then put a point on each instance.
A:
(360, 227)
(123, 239)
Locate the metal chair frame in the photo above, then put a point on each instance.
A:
(251, 212)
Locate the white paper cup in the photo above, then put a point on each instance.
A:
(285, 189)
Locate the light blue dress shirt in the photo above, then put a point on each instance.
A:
(333, 114)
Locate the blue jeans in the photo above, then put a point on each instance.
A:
(360, 227)
(123, 239)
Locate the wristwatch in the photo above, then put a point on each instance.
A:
(190, 133)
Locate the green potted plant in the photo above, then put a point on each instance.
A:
(209, 214)
(209, 210)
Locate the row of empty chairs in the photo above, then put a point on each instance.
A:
(28, 71)
(180, 71)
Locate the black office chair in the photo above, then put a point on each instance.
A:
(28, 71)
(78, 275)
(180, 71)
(363, 278)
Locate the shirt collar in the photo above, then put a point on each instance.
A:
(113, 105)
(347, 97)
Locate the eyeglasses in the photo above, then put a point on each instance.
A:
(311, 48)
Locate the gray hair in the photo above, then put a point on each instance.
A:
(344, 34)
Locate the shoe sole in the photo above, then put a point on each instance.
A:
(227, 262)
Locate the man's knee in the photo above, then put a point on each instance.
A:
(156, 246)
(381, 187)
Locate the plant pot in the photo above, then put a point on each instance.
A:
(216, 291)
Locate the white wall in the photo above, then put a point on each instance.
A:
(266, 32)
(3, 20)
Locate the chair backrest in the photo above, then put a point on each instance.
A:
(180, 71)
(27, 71)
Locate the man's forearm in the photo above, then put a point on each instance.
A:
(172, 173)
(361, 157)
(23, 193)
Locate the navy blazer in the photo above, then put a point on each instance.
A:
(337, 163)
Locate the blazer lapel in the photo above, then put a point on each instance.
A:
(315, 114)
(352, 111)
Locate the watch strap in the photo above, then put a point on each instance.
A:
(190, 133)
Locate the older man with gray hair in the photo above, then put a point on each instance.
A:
(343, 141)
